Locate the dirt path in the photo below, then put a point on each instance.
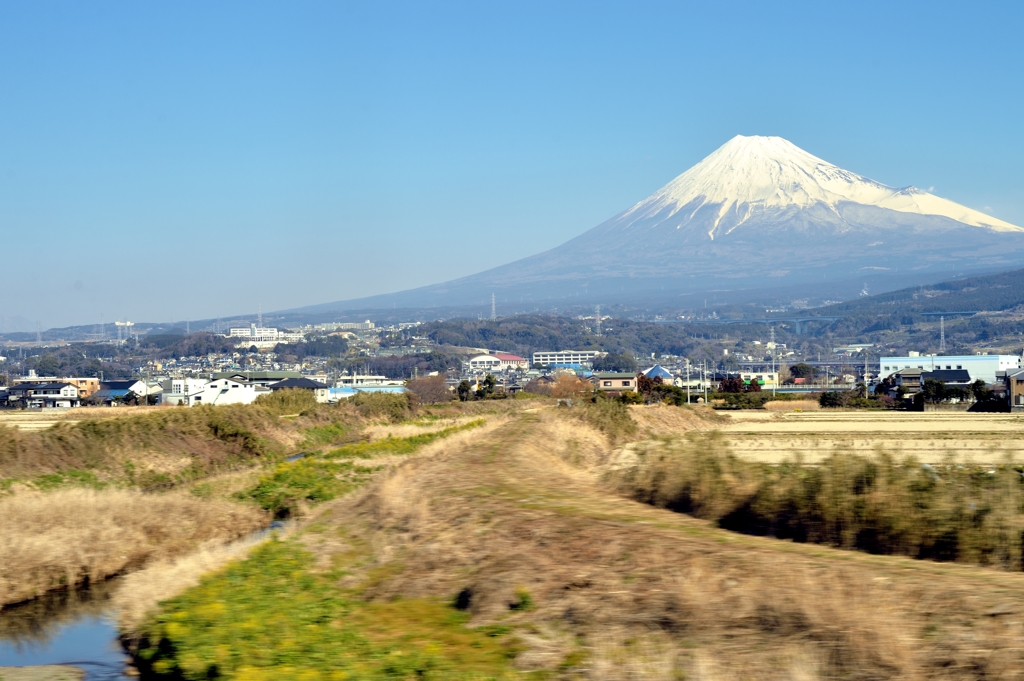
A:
(600, 587)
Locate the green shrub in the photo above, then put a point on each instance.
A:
(310, 481)
(611, 417)
(288, 401)
(392, 406)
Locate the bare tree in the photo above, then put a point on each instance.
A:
(430, 389)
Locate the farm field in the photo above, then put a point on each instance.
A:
(36, 420)
(930, 437)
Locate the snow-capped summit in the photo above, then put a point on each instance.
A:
(758, 214)
(747, 175)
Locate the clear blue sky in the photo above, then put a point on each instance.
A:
(172, 160)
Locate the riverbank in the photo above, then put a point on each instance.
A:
(517, 534)
(70, 537)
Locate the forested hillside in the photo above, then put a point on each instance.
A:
(1003, 291)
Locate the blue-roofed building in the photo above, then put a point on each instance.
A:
(658, 371)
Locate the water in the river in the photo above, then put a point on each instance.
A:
(76, 627)
(70, 628)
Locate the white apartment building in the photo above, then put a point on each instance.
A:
(262, 336)
(227, 391)
(982, 367)
(343, 326)
(177, 390)
(565, 357)
(364, 381)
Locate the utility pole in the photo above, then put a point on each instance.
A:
(687, 380)
(704, 365)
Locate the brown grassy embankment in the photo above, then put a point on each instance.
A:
(70, 516)
(166, 578)
(72, 536)
(162, 445)
(595, 586)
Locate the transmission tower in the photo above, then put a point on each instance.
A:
(598, 314)
(942, 335)
(494, 314)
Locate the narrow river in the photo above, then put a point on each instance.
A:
(75, 628)
(70, 628)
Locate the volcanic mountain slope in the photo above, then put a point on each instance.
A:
(757, 212)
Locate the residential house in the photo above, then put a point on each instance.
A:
(953, 378)
(909, 379)
(86, 386)
(18, 394)
(227, 391)
(321, 391)
(1014, 381)
(614, 382)
(54, 396)
(117, 392)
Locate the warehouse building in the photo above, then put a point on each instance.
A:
(982, 367)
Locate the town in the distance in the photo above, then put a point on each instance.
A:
(743, 364)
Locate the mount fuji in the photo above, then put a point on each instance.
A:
(758, 213)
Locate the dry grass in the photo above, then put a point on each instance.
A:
(379, 431)
(773, 437)
(68, 537)
(598, 587)
(142, 591)
(793, 405)
(150, 447)
(662, 419)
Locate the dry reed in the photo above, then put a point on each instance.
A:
(75, 536)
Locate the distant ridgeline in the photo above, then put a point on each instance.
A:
(995, 292)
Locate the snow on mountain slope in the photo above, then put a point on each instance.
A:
(748, 175)
(757, 214)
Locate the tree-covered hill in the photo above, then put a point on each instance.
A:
(1003, 291)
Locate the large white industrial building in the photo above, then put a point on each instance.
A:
(262, 337)
(978, 366)
(565, 357)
